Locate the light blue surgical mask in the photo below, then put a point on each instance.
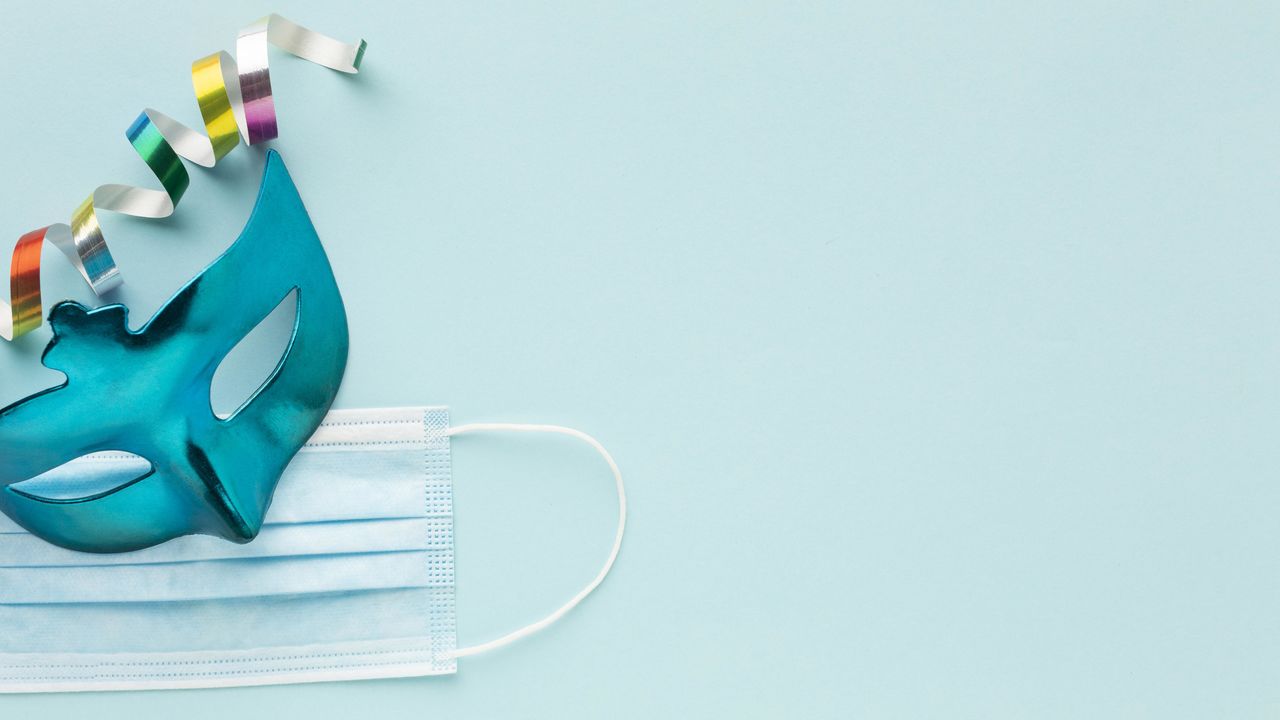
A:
(351, 577)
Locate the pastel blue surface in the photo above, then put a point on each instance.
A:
(939, 345)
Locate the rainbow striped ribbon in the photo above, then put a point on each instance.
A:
(235, 102)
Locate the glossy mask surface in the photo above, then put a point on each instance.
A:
(148, 393)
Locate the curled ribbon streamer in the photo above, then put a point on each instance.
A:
(235, 102)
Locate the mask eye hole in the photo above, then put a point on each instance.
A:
(255, 360)
(86, 478)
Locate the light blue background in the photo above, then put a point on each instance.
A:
(939, 345)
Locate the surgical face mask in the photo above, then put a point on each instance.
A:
(351, 577)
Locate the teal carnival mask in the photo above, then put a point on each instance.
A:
(146, 395)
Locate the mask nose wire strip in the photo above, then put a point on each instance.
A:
(617, 540)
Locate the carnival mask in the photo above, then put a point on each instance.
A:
(146, 394)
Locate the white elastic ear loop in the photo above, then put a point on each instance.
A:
(617, 540)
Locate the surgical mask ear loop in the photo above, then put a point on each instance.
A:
(617, 540)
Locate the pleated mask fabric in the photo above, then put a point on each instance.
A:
(351, 577)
